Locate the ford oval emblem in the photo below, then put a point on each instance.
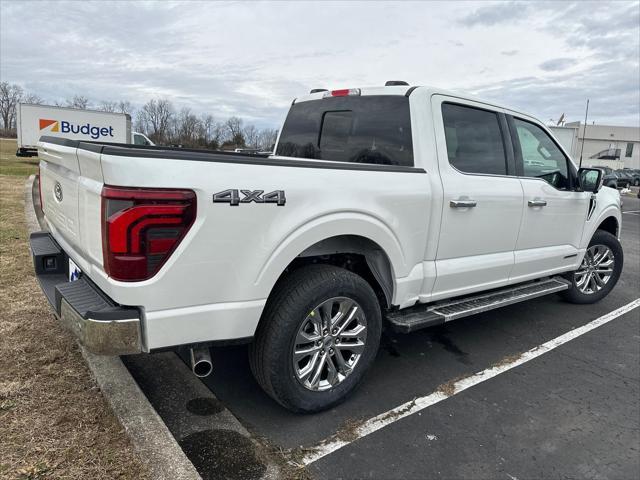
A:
(57, 190)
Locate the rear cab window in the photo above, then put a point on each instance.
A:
(371, 129)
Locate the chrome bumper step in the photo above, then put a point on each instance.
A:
(426, 315)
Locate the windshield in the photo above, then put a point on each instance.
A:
(359, 129)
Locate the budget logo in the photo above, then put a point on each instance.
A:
(63, 126)
(44, 123)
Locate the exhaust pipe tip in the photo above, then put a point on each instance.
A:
(201, 364)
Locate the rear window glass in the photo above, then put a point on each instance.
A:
(369, 129)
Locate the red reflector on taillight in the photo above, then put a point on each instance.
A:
(141, 227)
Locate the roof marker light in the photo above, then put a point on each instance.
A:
(342, 93)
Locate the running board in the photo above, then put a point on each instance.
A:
(422, 316)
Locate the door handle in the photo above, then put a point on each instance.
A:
(537, 203)
(462, 203)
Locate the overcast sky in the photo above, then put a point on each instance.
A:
(252, 59)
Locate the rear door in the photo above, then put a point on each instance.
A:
(554, 213)
(483, 199)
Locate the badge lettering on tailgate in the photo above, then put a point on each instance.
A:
(232, 197)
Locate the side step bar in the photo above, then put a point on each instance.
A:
(422, 316)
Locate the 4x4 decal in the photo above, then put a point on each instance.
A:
(232, 197)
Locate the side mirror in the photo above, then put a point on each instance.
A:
(590, 179)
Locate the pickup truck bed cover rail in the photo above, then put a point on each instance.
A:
(173, 153)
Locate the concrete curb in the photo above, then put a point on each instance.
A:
(151, 438)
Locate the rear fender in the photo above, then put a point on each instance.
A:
(325, 227)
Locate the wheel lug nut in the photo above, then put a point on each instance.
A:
(331, 350)
(337, 340)
(334, 331)
(318, 343)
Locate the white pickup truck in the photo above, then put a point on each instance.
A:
(386, 207)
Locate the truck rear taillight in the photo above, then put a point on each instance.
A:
(141, 227)
(346, 92)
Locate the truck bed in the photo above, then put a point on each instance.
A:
(203, 155)
(254, 216)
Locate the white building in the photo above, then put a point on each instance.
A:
(604, 145)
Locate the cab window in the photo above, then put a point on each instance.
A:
(541, 157)
(139, 140)
(474, 140)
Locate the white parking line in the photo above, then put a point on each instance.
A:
(374, 424)
(633, 212)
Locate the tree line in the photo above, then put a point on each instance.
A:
(158, 119)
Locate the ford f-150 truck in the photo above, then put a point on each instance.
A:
(386, 207)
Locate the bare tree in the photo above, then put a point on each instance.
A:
(155, 119)
(10, 96)
(108, 106)
(234, 128)
(188, 127)
(218, 133)
(32, 98)
(78, 101)
(206, 124)
(125, 106)
(250, 133)
(267, 138)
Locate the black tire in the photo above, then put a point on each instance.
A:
(574, 295)
(270, 353)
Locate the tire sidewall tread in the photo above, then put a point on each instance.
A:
(600, 237)
(270, 352)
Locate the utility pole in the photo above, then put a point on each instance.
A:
(584, 132)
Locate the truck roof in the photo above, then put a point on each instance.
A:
(408, 89)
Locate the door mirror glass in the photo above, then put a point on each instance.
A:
(590, 179)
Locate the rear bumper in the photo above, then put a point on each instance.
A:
(101, 326)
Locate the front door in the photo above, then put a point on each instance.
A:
(554, 213)
(483, 198)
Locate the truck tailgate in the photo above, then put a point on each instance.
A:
(71, 181)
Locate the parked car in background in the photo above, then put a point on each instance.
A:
(625, 179)
(396, 206)
(635, 175)
(609, 179)
(142, 139)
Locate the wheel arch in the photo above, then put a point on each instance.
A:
(609, 224)
(340, 238)
(609, 219)
(356, 253)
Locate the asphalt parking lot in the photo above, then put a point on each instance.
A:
(572, 411)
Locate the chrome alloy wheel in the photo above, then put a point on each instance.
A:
(596, 269)
(329, 343)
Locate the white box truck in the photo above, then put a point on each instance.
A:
(35, 121)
